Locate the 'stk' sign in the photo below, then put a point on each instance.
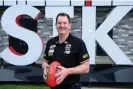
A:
(89, 32)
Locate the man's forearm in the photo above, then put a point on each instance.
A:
(44, 63)
(81, 69)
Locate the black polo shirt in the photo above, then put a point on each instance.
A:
(70, 53)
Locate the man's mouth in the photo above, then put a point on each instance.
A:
(62, 29)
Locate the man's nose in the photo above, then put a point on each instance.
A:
(62, 24)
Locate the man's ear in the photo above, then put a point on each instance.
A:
(70, 26)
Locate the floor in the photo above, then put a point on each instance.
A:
(105, 88)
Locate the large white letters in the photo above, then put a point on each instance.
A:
(10, 26)
(88, 30)
(106, 42)
(89, 33)
(101, 36)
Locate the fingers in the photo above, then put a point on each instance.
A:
(44, 64)
(58, 74)
(44, 77)
(59, 80)
(59, 67)
(45, 71)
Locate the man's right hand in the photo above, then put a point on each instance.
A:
(45, 68)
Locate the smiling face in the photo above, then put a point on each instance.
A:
(62, 25)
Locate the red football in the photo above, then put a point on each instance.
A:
(51, 74)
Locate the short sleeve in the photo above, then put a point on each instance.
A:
(83, 53)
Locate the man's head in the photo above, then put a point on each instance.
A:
(63, 23)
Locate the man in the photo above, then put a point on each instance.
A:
(70, 51)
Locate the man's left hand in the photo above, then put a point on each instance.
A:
(61, 75)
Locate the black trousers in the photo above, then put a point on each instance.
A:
(75, 86)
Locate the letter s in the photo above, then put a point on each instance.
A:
(10, 26)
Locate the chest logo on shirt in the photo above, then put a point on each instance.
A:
(51, 50)
(68, 49)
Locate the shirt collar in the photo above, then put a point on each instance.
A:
(66, 41)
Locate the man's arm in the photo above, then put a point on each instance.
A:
(44, 63)
(44, 66)
(83, 58)
(81, 69)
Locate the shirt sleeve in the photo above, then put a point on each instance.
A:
(83, 53)
(45, 54)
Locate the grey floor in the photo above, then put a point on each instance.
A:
(104, 88)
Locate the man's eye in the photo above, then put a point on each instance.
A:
(64, 23)
(59, 22)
